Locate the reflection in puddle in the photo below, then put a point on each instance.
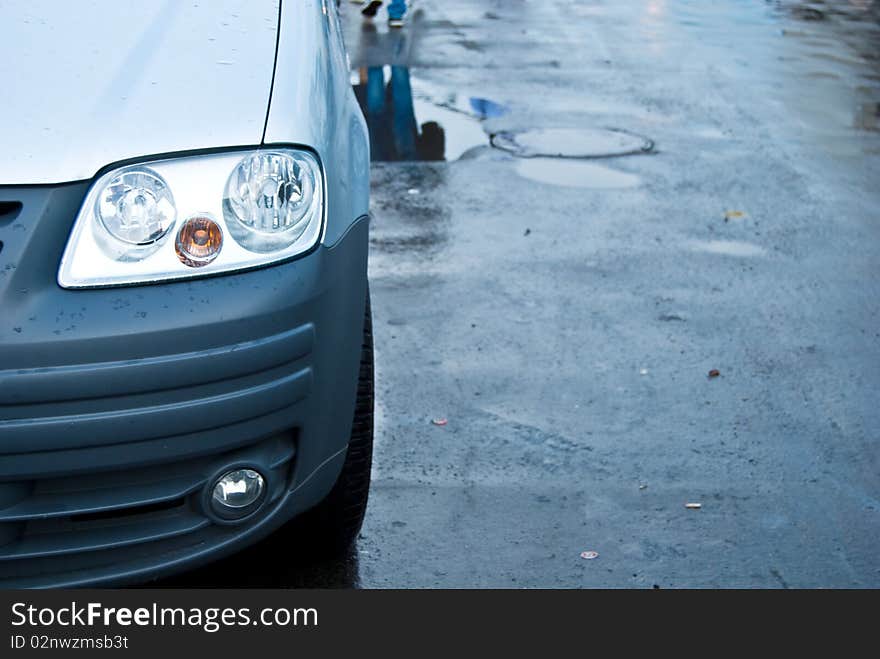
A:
(462, 132)
(391, 118)
(486, 109)
(475, 107)
(407, 127)
(574, 173)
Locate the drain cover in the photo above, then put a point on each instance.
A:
(572, 143)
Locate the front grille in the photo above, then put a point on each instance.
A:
(59, 524)
(53, 407)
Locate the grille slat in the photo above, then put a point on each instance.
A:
(55, 384)
(99, 500)
(150, 422)
(143, 423)
(9, 210)
(70, 542)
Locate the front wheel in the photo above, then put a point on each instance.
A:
(336, 521)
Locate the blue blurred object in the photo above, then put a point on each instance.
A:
(486, 108)
(396, 9)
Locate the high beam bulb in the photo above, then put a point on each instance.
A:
(271, 197)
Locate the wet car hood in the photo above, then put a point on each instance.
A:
(86, 84)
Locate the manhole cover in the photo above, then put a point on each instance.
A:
(572, 143)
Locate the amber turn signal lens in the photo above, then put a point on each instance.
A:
(199, 241)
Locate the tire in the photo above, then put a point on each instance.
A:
(334, 523)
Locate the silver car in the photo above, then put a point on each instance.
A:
(185, 337)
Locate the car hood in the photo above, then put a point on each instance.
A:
(86, 84)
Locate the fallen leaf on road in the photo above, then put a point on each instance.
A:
(714, 373)
(693, 506)
(589, 555)
(733, 215)
(439, 422)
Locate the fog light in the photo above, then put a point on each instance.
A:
(237, 493)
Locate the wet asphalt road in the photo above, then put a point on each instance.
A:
(564, 314)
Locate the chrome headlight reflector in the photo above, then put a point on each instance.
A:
(270, 198)
(243, 209)
(136, 210)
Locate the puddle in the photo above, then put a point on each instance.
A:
(473, 106)
(411, 126)
(411, 120)
(727, 248)
(574, 174)
(572, 143)
(461, 133)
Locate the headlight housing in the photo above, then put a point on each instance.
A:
(195, 215)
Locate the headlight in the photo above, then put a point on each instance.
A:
(136, 210)
(270, 200)
(196, 215)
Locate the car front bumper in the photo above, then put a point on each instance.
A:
(119, 405)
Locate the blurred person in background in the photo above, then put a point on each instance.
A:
(396, 10)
